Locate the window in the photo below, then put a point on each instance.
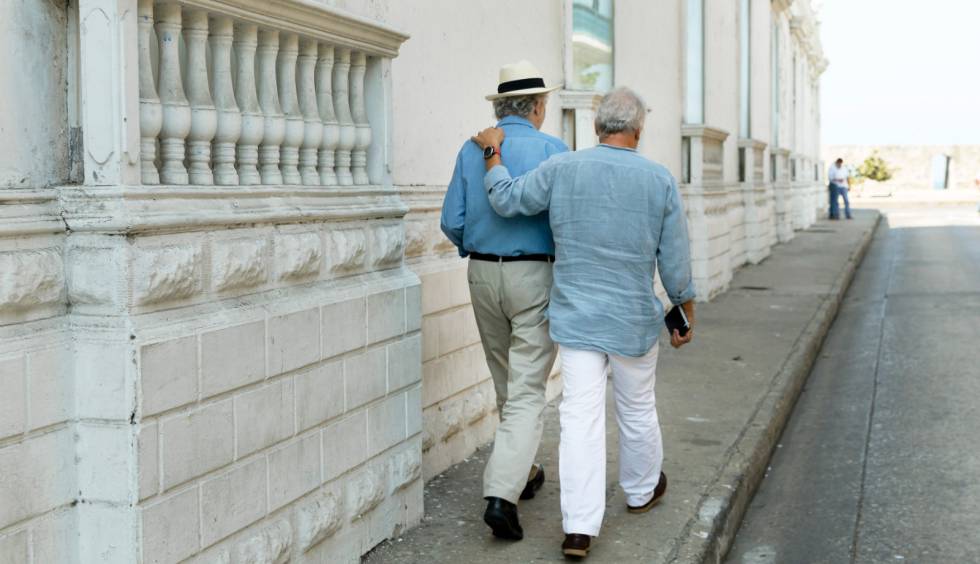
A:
(694, 63)
(745, 69)
(774, 72)
(592, 45)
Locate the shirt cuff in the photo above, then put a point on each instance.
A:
(495, 175)
(685, 296)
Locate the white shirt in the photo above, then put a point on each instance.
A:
(837, 175)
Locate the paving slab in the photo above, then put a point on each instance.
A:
(723, 401)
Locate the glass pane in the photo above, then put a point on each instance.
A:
(694, 63)
(592, 45)
(746, 61)
(774, 72)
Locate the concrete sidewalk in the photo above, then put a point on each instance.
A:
(723, 401)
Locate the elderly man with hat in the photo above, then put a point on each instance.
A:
(510, 261)
(618, 219)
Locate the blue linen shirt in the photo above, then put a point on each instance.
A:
(467, 219)
(616, 218)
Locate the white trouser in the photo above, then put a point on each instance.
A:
(582, 451)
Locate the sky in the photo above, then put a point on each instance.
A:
(901, 72)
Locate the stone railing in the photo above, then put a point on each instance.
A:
(256, 98)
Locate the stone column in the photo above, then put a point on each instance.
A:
(348, 132)
(294, 132)
(331, 129)
(229, 118)
(253, 122)
(275, 121)
(176, 110)
(204, 118)
(312, 126)
(362, 138)
(151, 116)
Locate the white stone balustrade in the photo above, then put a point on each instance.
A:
(228, 101)
(204, 118)
(151, 118)
(229, 117)
(176, 124)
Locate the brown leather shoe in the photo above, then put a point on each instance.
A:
(576, 545)
(658, 494)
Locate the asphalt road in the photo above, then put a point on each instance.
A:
(880, 461)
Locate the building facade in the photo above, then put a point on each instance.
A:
(230, 329)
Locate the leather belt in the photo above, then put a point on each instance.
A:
(515, 258)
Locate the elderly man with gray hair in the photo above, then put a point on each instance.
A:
(616, 218)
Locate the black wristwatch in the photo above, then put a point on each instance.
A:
(489, 152)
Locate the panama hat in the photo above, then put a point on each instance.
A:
(520, 79)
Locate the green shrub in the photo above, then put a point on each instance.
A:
(875, 168)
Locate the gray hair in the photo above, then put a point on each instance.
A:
(520, 106)
(620, 110)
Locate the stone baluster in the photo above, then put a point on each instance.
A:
(176, 122)
(362, 137)
(286, 79)
(204, 118)
(341, 100)
(229, 118)
(331, 129)
(253, 122)
(312, 126)
(275, 121)
(151, 116)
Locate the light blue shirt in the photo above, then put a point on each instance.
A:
(467, 219)
(616, 217)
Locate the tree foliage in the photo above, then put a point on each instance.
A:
(875, 168)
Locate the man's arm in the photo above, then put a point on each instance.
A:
(674, 261)
(529, 194)
(454, 208)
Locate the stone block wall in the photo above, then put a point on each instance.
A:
(287, 427)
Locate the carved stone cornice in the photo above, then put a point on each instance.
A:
(313, 20)
(705, 131)
(579, 99)
(29, 212)
(781, 5)
(136, 209)
(752, 143)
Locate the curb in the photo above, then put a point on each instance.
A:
(748, 458)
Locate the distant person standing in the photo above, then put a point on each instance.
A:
(840, 181)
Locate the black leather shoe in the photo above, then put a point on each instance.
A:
(534, 484)
(501, 515)
(576, 545)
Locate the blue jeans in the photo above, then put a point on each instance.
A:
(835, 192)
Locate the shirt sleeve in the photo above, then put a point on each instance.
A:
(529, 194)
(674, 250)
(453, 218)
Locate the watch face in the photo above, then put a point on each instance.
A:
(488, 152)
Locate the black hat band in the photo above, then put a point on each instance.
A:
(522, 84)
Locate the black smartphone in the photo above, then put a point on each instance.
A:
(677, 319)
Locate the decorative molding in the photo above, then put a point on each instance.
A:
(29, 212)
(31, 278)
(138, 209)
(311, 19)
(579, 99)
(705, 131)
(755, 144)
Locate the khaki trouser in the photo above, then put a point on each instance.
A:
(510, 301)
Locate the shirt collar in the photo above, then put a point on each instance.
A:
(616, 147)
(514, 120)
